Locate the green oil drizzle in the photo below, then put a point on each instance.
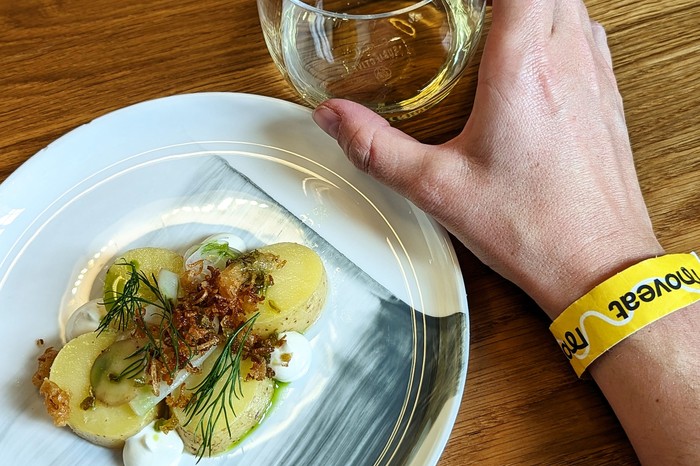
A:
(279, 389)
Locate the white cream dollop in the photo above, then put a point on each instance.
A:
(291, 360)
(151, 447)
(85, 319)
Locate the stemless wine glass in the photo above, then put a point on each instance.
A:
(397, 57)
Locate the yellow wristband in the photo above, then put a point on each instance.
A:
(625, 303)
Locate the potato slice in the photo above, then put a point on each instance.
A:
(147, 260)
(104, 425)
(249, 408)
(296, 298)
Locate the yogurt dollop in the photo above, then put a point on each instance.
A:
(151, 447)
(291, 360)
(85, 319)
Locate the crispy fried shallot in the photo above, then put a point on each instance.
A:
(57, 402)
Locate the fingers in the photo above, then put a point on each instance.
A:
(432, 177)
(522, 18)
(371, 144)
(570, 16)
(518, 27)
(575, 14)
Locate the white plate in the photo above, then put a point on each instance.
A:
(391, 349)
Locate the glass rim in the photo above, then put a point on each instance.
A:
(346, 16)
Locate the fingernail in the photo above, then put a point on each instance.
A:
(327, 120)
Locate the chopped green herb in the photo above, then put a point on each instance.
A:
(211, 403)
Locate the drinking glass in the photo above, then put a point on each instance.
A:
(397, 57)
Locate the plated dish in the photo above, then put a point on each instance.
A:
(391, 348)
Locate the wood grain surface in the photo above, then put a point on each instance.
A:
(66, 62)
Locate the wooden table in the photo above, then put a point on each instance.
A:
(66, 62)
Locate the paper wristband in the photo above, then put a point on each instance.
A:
(625, 303)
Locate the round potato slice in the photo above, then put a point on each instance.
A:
(150, 261)
(104, 425)
(249, 406)
(299, 289)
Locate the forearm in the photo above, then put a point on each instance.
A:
(652, 382)
(652, 378)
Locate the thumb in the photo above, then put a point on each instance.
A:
(373, 145)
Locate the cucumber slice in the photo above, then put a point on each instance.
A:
(118, 373)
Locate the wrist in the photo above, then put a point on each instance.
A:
(625, 303)
(583, 270)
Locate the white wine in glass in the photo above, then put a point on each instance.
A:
(397, 57)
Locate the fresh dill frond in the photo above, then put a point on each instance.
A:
(168, 332)
(136, 367)
(210, 402)
(161, 301)
(123, 305)
(126, 309)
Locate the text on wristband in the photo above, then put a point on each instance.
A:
(640, 295)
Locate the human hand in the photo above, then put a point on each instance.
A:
(541, 183)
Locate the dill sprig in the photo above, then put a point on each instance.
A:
(123, 305)
(126, 309)
(134, 369)
(166, 331)
(210, 402)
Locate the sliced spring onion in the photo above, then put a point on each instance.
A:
(215, 251)
(143, 403)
